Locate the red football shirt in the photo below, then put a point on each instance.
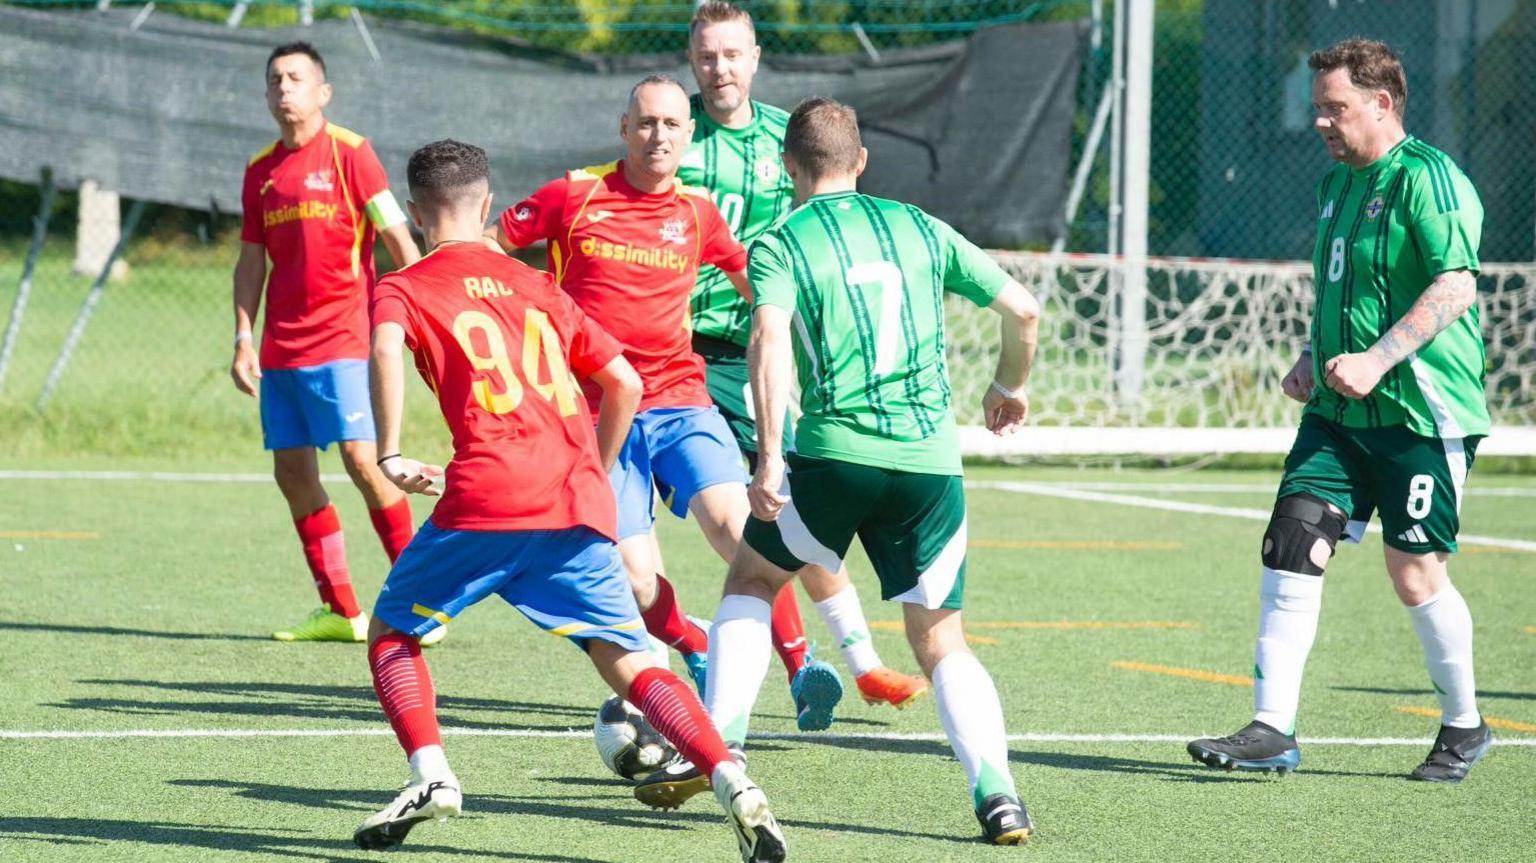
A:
(498, 343)
(315, 209)
(630, 260)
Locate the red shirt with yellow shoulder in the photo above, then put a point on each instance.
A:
(501, 347)
(630, 260)
(316, 209)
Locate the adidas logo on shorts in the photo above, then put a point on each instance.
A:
(1414, 534)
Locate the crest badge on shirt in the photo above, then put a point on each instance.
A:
(767, 170)
(320, 181)
(523, 213)
(1373, 209)
(675, 231)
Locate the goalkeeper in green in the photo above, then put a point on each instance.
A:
(1392, 381)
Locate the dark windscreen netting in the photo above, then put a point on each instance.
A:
(977, 131)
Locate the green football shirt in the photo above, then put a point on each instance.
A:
(1384, 232)
(745, 177)
(864, 279)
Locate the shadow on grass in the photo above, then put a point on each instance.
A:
(315, 701)
(619, 810)
(13, 626)
(1481, 693)
(301, 845)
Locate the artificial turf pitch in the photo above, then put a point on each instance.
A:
(141, 606)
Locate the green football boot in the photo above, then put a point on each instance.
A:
(326, 625)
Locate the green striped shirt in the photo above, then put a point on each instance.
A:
(743, 171)
(1384, 232)
(865, 280)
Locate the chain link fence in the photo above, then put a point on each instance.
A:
(1234, 164)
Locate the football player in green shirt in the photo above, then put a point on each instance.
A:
(735, 154)
(849, 291)
(1394, 424)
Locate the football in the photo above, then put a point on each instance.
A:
(628, 745)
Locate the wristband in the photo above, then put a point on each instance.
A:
(381, 461)
(1005, 392)
(241, 337)
(1306, 348)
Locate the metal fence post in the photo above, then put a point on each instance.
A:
(88, 308)
(24, 290)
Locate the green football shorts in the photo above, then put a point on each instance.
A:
(725, 374)
(1415, 482)
(912, 526)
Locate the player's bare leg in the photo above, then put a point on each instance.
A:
(404, 688)
(663, 615)
(339, 617)
(972, 718)
(1444, 625)
(388, 508)
(837, 602)
(721, 511)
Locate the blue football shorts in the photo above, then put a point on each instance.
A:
(679, 451)
(569, 582)
(316, 405)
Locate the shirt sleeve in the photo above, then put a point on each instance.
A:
(370, 186)
(592, 347)
(539, 216)
(391, 305)
(772, 274)
(718, 246)
(1445, 220)
(251, 228)
(968, 271)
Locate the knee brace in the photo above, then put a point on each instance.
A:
(1298, 523)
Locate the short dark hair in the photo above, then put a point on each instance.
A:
(716, 11)
(300, 47)
(447, 172)
(823, 137)
(1372, 65)
(656, 78)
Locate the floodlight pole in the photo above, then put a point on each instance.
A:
(88, 308)
(24, 290)
(1135, 180)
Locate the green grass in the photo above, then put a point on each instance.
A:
(159, 621)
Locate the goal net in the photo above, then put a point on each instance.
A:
(1218, 336)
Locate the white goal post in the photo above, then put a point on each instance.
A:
(1219, 335)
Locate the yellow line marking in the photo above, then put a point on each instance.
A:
(49, 534)
(1506, 724)
(1076, 545)
(898, 626)
(1530, 630)
(1191, 673)
(980, 639)
(1488, 549)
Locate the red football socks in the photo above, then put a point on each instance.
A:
(788, 630)
(326, 553)
(672, 709)
(404, 687)
(665, 620)
(394, 526)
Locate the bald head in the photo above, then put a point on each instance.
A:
(656, 127)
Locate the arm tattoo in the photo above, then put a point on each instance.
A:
(1446, 298)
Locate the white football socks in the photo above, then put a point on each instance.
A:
(740, 648)
(973, 721)
(430, 764)
(844, 617)
(1444, 625)
(1289, 605)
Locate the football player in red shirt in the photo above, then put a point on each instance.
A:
(313, 201)
(626, 241)
(527, 512)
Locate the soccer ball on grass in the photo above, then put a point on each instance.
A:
(628, 745)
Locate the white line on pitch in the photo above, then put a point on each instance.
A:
(578, 733)
(1198, 508)
(1158, 487)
